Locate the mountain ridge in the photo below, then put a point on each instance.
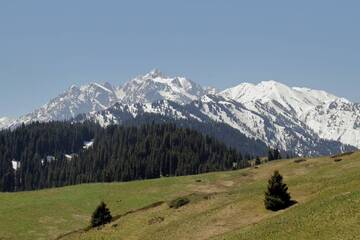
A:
(286, 117)
(211, 109)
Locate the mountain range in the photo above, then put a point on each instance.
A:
(298, 120)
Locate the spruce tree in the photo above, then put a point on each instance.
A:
(270, 155)
(277, 154)
(277, 196)
(257, 161)
(52, 154)
(101, 216)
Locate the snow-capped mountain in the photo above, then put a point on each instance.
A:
(273, 129)
(74, 101)
(5, 121)
(94, 97)
(269, 124)
(181, 115)
(293, 100)
(156, 86)
(298, 120)
(121, 112)
(328, 116)
(337, 120)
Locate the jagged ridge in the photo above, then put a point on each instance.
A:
(299, 120)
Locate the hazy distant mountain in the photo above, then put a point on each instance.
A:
(299, 120)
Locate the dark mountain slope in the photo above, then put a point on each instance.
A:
(54, 154)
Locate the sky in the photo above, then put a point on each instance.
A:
(47, 46)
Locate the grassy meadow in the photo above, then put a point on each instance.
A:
(223, 205)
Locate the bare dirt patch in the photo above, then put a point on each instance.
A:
(227, 183)
(208, 188)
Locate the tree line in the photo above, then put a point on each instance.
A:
(43, 155)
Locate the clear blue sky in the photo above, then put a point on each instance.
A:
(46, 46)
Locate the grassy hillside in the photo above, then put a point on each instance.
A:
(226, 205)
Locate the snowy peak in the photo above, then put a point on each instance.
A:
(265, 91)
(274, 130)
(148, 88)
(328, 116)
(293, 118)
(296, 100)
(76, 100)
(4, 122)
(92, 97)
(155, 73)
(155, 86)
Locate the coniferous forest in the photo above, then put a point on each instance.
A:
(43, 155)
(226, 134)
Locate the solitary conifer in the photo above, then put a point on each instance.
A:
(270, 155)
(277, 154)
(277, 196)
(257, 161)
(101, 215)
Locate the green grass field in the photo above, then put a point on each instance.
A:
(225, 205)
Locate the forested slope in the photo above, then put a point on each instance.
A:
(55, 154)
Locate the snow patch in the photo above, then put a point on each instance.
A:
(88, 144)
(15, 164)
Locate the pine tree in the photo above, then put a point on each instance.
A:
(277, 196)
(119, 153)
(101, 216)
(277, 154)
(257, 161)
(270, 155)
